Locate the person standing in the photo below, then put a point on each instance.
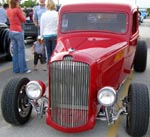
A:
(38, 51)
(5, 6)
(16, 18)
(37, 13)
(48, 28)
(3, 15)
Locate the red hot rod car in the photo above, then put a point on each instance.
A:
(97, 47)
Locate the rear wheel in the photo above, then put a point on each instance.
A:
(14, 102)
(8, 47)
(138, 110)
(11, 49)
(140, 60)
(2, 30)
(5, 44)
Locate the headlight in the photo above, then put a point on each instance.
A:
(35, 89)
(106, 96)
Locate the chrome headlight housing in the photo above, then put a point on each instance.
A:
(35, 89)
(106, 96)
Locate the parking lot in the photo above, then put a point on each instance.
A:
(38, 128)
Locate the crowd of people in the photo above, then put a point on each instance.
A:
(45, 18)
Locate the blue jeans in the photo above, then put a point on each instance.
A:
(19, 63)
(50, 43)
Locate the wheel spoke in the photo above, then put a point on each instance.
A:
(23, 103)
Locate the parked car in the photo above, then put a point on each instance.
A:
(30, 30)
(97, 47)
(5, 44)
(140, 17)
(143, 13)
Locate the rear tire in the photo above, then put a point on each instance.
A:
(138, 110)
(5, 43)
(14, 102)
(8, 46)
(140, 60)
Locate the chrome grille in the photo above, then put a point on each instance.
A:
(69, 93)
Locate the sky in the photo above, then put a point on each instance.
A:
(143, 3)
(140, 3)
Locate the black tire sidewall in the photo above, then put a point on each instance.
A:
(138, 110)
(140, 60)
(9, 101)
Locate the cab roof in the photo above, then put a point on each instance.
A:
(99, 1)
(98, 5)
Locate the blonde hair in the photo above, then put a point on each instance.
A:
(50, 5)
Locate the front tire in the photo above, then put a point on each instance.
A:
(138, 110)
(15, 107)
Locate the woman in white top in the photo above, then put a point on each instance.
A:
(48, 26)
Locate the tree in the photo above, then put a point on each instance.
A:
(148, 11)
(29, 3)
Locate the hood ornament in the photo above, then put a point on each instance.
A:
(71, 49)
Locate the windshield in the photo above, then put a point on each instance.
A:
(111, 22)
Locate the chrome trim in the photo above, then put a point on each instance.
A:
(69, 93)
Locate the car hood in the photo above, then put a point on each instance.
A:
(89, 41)
(91, 45)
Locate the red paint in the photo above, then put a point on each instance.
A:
(109, 56)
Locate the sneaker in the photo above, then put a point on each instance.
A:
(28, 71)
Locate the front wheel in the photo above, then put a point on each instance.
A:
(138, 110)
(14, 102)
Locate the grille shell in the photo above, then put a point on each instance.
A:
(69, 93)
